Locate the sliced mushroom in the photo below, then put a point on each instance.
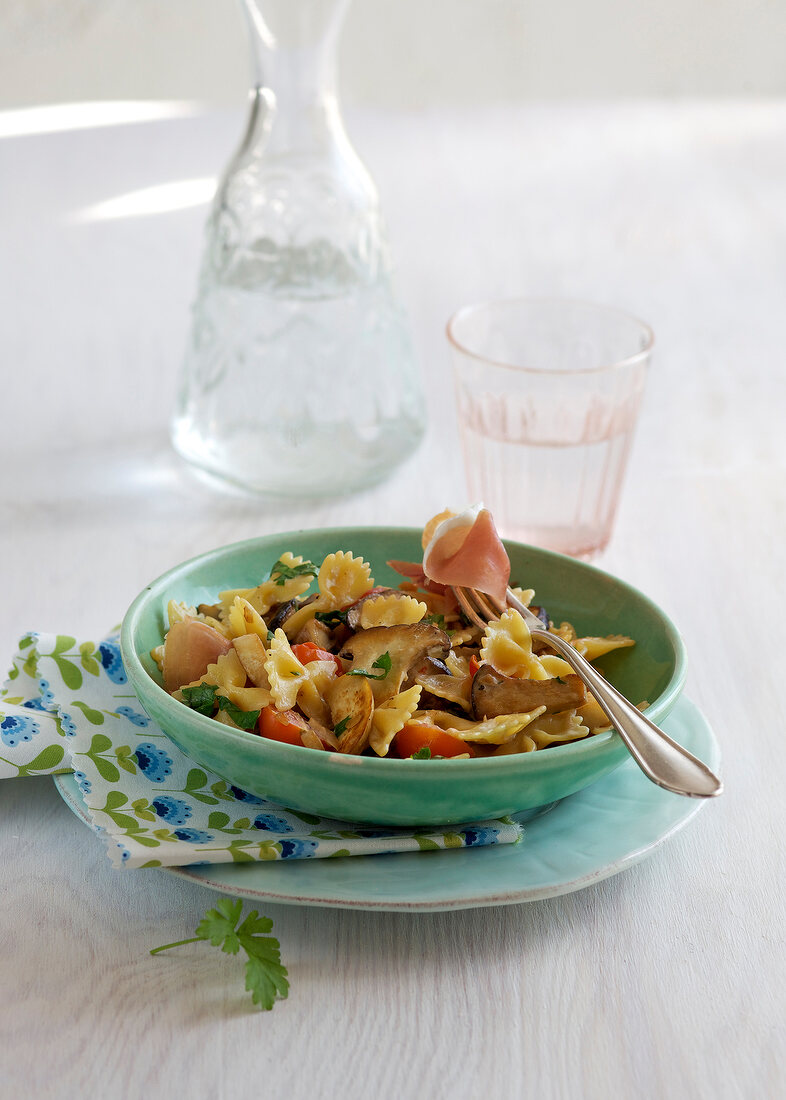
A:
(213, 610)
(316, 632)
(351, 703)
(494, 694)
(384, 655)
(283, 611)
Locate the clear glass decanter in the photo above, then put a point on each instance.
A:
(299, 378)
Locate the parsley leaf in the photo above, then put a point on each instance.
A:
(266, 978)
(383, 663)
(423, 753)
(437, 620)
(339, 728)
(331, 618)
(201, 698)
(283, 572)
(246, 719)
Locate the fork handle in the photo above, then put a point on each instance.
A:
(659, 757)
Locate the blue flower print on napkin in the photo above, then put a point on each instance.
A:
(14, 729)
(67, 705)
(154, 763)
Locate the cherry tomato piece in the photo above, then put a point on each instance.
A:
(310, 651)
(414, 736)
(281, 725)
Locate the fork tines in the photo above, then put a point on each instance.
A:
(477, 606)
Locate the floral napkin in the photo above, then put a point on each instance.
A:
(68, 706)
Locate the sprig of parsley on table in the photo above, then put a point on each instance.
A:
(266, 978)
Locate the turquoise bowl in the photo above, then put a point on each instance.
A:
(408, 792)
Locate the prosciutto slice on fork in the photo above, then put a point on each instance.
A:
(466, 551)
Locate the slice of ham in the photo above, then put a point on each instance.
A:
(189, 647)
(413, 571)
(466, 550)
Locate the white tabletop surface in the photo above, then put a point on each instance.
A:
(666, 980)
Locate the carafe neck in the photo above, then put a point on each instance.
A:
(293, 59)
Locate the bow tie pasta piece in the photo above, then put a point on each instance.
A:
(451, 688)
(550, 729)
(593, 716)
(343, 579)
(494, 731)
(243, 618)
(556, 667)
(290, 577)
(178, 612)
(523, 595)
(227, 672)
(469, 635)
(248, 698)
(391, 610)
(507, 647)
(391, 716)
(224, 680)
(458, 664)
(522, 742)
(284, 671)
(312, 693)
(491, 731)
(591, 648)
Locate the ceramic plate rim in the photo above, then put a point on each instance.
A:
(684, 811)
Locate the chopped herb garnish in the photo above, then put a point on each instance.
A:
(383, 664)
(331, 618)
(283, 572)
(204, 698)
(437, 620)
(423, 753)
(246, 719)
(339, 728)
(266, 978)
(201, 698)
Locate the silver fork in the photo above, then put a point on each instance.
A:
(660, 758)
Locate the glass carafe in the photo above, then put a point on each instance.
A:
(299, 377)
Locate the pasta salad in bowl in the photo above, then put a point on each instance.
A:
(331, 672)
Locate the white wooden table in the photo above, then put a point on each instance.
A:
(667, 980)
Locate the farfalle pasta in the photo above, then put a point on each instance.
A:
(320, 656)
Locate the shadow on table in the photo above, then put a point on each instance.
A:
(133, 472)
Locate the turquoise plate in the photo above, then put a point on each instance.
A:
(584, 839)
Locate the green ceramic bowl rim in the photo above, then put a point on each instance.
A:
(589, 746)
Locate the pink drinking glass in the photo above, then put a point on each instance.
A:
(548, 394)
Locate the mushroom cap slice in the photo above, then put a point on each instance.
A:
(494, 694)
(351, 703)
(404, 646)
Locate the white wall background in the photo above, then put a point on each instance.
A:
(408, 53)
